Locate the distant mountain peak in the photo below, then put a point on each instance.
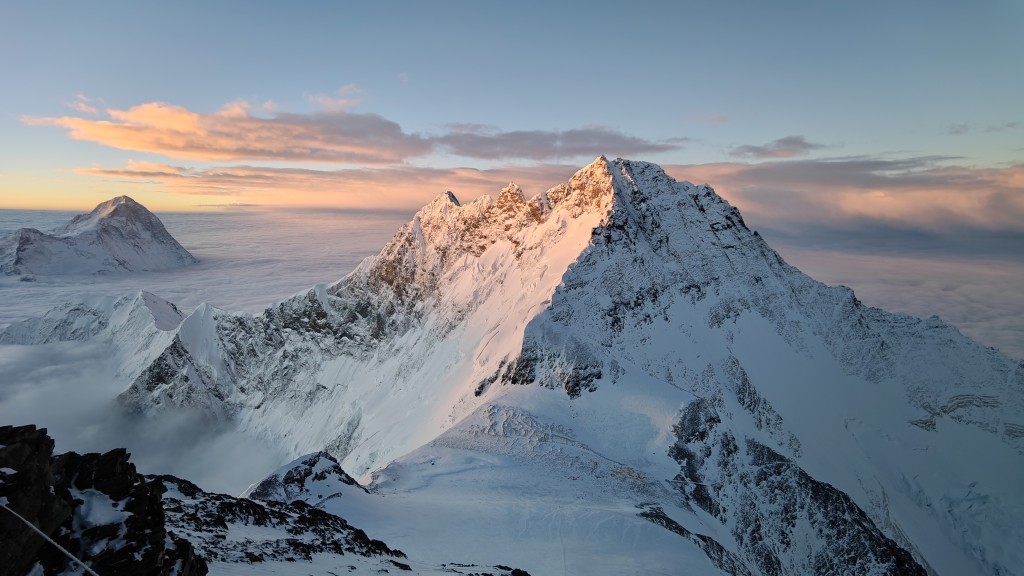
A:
(116, 201)
(118, 235)
(105, 213)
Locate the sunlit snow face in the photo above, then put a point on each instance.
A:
(248, 261)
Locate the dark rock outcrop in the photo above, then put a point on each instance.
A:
(783, 520)
(299, 530)
(96, 506)
(27, 488)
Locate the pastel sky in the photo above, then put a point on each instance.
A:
(191, 104)
(883, 127)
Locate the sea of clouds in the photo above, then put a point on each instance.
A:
(253, 257)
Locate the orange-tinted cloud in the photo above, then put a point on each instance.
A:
(873, 206)
(938, 238)
(334, 133)
(859, 194)
(405, 187)
(84, 104)
(343, 102)
(234, 133)
(920, 192)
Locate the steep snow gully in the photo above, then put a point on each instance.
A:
(613, 376)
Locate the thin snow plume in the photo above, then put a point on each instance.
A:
(70, 389)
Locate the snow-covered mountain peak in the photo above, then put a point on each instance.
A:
(110, 205)
(121, 211)
(445, 231)
(119, 235)
(314, 477)
(626, 336)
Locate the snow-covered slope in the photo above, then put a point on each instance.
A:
(134, 329)
(619, 373)
(113, 519)
(242, 536)
(119, 235)
(342, 366)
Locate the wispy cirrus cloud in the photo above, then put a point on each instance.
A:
(1004, 127)
(241, 131)
(868, 204)
(964, 128)
(344, 100)
(85, 105)
(908, 196)
(713, 119)
(786, 147)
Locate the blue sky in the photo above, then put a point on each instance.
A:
(904, 114)
(885, 128)
(707, 78)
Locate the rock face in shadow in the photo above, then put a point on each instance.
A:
(96, 506)
(290, 531)
(27, 488)
(117, 521)
(783, 520)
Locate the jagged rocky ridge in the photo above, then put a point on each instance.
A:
(96, 506)
(119, 235)
(380, 323)
(790, 428)
(117, 521)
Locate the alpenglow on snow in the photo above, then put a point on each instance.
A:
(616, 375)
(119, 235)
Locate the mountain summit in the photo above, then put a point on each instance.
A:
(617, 375)
(119, 235)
